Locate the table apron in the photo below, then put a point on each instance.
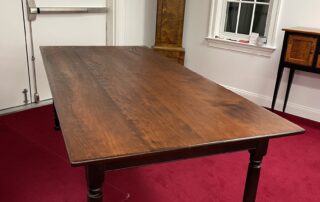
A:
(174, 155)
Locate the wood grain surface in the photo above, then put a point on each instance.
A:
(170, 22)
(115, 102)
(303, 30)
(169, 29)
(301, 50)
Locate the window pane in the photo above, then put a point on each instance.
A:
(267, 1)
(260, 19)
(245, 18)
(231, 17)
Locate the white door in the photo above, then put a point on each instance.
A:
(65, 29)
(13, 60)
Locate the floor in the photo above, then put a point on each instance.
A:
(34, 167)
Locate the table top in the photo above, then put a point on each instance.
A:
(303, 30)
(115, 102)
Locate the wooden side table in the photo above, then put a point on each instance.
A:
(301, 51)
(169, 34)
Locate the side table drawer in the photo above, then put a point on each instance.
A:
(301, 50)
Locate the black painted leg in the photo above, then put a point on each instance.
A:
(95, 178)
(56, 119)
(291, 75)
(276, 88)
(256, 156)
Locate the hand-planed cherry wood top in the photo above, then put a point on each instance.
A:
(116, 102)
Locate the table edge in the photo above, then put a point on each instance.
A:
(205, 150)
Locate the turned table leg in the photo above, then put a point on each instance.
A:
(95, 178)
(256, 156)
(56, 119)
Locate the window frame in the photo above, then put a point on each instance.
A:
(218, 13)
(238, 36)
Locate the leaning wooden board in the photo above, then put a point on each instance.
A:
(128, 106)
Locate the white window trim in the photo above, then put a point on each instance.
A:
(238, 35)
(215, 26)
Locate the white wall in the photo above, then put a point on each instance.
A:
(249, 75)
(136, 22)
(65, 29)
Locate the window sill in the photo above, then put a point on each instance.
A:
(241, 47)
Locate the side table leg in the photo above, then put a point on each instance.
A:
(95, 178)
(256, 156)
(291, 75)
(56, 119)
(276, 88)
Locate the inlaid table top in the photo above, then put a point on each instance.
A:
(120, 102)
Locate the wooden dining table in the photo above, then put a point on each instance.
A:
(121, 107)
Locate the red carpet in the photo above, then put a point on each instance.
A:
(34, 168)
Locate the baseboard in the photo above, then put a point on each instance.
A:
(292, 108)
(25, 107)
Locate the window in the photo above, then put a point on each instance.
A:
(242, 17)
(235, 20)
